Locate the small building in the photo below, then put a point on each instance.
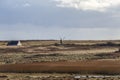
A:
(14, 43)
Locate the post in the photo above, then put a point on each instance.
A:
(61, 41)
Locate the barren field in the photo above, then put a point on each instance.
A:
(83, 58)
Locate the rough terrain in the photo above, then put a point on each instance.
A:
(97, 58)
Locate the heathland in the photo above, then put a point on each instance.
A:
(49, 59)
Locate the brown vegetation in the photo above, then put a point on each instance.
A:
(83, 67)
(74, 56)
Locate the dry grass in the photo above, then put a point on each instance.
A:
(72, 56)
(91, 51)
(83, 67)
(54, 76)
(46, 51)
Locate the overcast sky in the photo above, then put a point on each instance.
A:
(52, 19)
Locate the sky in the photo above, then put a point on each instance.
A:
(55, 19)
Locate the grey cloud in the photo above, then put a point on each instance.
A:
(45, 13)
(43, 20)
